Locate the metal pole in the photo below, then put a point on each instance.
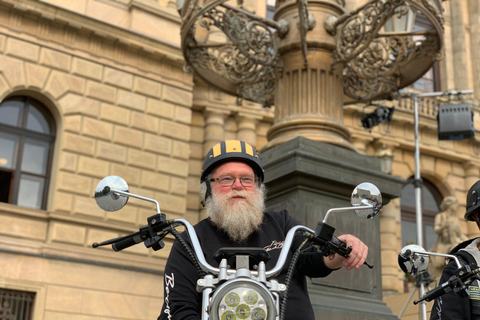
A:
(418, 206)
(418, 181)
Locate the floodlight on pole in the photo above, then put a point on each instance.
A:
(418, 179)
(380, 115)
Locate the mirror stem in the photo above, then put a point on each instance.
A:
(367, 206)
(426, 253)
(123, 193)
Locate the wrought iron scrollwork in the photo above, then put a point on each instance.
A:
(362, 88)
(304, 27)
(360, 28)
(237, 50)
(373, 60)
(253, 38)
(261, 91)
(245, 56)
(384, 56)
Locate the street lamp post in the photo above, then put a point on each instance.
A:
(418, 178)
(308, 62)
(312, 58)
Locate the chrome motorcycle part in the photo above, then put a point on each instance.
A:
(413, 259)
(367, 194)
(366, 202)
(242, 299)
(112, 194)
(106, 198)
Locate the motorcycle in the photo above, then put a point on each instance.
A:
(241, 271)
(413, 260)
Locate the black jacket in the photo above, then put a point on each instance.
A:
(451, 306)
(183, 302)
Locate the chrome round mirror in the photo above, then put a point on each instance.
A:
(367, 194)
(412, 261)
(108, 200)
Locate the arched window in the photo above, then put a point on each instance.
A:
(431, 199)
(26, 145)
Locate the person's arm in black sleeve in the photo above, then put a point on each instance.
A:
(450, 306)
(181, 299)
(311, 263)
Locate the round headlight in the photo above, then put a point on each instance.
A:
(242, 299)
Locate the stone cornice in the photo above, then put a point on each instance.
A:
(43, 215)
(159, 11)
(72, 23)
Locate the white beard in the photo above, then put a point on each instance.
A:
(240, 219)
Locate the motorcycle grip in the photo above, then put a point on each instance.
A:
(130, 241)
(346, 251)
(339, 242)
(434, 293)
(340, 247)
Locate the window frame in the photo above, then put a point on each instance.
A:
(24, 134)
(408, 213)
(423, 22)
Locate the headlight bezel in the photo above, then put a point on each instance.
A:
(263, 293)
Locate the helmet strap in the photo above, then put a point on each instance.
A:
(476, 217)
(208, 193)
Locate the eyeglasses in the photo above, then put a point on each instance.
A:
(228, 181)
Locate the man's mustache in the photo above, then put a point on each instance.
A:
(237, 193)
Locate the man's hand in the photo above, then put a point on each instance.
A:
(356, 258)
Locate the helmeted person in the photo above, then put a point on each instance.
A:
(234, 199)
(450, 305)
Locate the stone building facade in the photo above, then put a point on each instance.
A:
(109, 77)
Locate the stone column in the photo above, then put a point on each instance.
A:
(214, 128)
(308, 96)
(390, 229)
(247, 129)
(472, 175)
(384, 151)
(390, 234)
(474, 10)
(459, 46)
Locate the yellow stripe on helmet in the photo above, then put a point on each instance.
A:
(217, 149)
(233, 146)
(248, 149)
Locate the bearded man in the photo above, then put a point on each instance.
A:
(232, 184)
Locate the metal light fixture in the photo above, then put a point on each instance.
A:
(241, 60)
(386, 156)
(380, 115)
(455, 122)
(376, 62)
(376, 44)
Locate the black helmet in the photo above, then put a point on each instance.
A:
(232, 150)
(473, 201)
